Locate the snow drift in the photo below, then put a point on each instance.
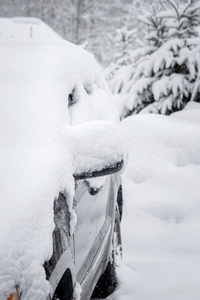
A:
(160, 225)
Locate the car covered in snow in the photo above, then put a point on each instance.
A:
(61, 153)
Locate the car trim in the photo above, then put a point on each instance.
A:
(65, 262)
(96, 267)
(98, 243)
(106, 171)
(93, 258)
(98, 254)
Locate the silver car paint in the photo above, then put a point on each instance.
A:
(96, 244)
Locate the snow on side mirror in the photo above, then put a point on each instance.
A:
(97, 149)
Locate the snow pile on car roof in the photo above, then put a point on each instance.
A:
(36, 162)
(161, 207)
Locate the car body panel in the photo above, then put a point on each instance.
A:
(84, 255)
(91, 212)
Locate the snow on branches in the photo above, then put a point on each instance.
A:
(166, 70)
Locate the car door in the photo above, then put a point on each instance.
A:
(93, 222)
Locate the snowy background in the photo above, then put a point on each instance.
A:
(152, 65)
(161, 220)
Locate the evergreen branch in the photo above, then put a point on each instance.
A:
(190, 18)
(196, 18)
(186, 8)
(174, 6)
(154, 10)
(162, 5)
(145, 22)
(152, 21)
(168, 17)
(194, 10)
(174, 27)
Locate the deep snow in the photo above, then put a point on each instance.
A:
(161, 220)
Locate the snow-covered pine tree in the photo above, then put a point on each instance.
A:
(117, 72)
(126, 39)
(167, 70)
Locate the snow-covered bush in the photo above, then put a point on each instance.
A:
(124, 43)
(126, 39)
(120, 71)
(166, 71)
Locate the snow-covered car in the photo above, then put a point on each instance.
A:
(61, 153)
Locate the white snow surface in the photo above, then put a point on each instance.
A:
(161, 220)
(93, 155)
(35, 155)
(190, 112)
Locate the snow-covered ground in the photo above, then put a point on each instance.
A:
(161, 221)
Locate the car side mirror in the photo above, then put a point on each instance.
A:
(97, 149)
